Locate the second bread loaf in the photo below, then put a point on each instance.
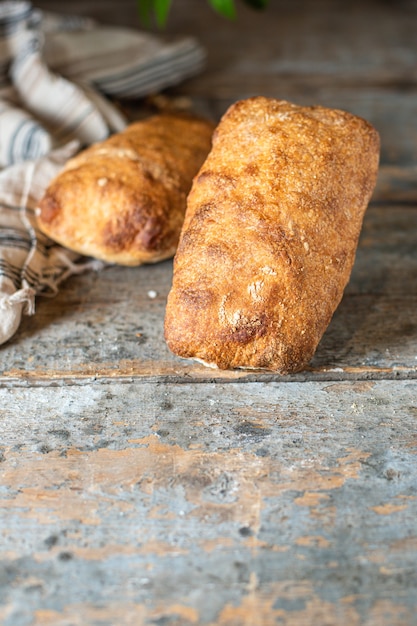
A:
(123, 200)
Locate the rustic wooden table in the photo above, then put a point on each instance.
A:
(139, 488)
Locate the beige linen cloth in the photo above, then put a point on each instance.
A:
(55, 75)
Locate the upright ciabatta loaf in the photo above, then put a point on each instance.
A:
(123, 200)
(270, 235)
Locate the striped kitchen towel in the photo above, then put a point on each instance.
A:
(121, 62)
(30, 263)
(55, 75)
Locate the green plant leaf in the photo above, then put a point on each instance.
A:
(145, 11)
(224, 7)
(161, 11)
(257, 4)
(154, 8)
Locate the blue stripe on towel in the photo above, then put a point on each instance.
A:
(12, 14)
(117, 84)
(26, 142)
(13, 238)
(10, 271)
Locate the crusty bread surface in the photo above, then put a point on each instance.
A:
(270, 235)
(123, 200)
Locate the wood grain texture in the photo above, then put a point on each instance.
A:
(225, 504)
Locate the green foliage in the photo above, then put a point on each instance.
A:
(224, 7)
(160, 9)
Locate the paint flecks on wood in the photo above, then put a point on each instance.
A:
(156, 498)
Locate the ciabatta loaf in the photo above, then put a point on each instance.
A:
(123, 200)
(270, 235)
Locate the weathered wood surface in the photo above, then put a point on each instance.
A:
(137, 488)
(105, 325)
(233, 505)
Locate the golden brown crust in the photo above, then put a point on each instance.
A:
(270, 235)
(123, 200)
